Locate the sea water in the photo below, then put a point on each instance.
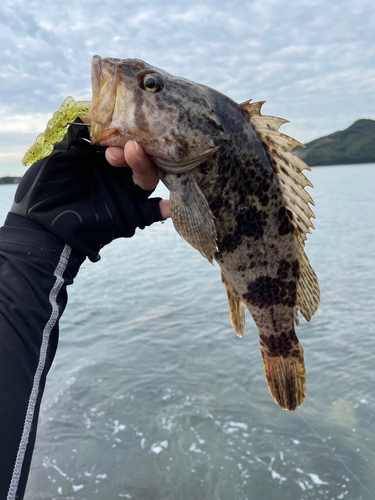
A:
(153, 397)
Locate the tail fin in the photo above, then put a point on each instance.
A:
(286, 377)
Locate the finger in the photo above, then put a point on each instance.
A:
(165, 209)
(144, 172)
(85, 119)
(115, 156)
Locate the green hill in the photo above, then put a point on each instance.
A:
(356, 144)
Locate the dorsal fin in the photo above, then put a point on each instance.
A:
(288, 169)
(252, 109)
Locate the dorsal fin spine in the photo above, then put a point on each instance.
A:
(252, 109)
(297, 176)
(277, 138)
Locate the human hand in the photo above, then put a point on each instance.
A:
(83, 200)
(144, 172)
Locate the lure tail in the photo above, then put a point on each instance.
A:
(56, 129)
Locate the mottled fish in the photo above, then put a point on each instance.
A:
(237, 195)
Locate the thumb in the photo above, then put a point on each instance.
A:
(153, 210)
(165, 208)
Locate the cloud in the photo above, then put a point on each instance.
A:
(18, 132)
(22, 124)
(310, 59)
(10, 154)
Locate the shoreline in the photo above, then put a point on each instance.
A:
(9, 180)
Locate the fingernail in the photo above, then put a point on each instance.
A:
(140, 151)
(117, 154)
(112, 157)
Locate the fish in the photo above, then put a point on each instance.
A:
(237, 195)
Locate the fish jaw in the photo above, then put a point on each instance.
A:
(104, 80)
(109, 102)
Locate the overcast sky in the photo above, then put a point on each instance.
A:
(313, 61)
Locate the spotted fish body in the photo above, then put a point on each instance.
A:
(237, 195)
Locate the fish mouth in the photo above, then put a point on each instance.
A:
(104, 80)
(107, 137)
(104, 73)
(108, 128)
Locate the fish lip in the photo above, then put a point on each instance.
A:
(109, 137)
(95, 61)
(95, 69)
(104, 74)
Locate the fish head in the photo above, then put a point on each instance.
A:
(172, 118)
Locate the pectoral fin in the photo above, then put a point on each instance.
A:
(236, 308)
(191, 214)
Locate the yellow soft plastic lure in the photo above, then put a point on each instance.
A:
(56, 129)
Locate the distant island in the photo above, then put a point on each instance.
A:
(356, 144)
(10, 180)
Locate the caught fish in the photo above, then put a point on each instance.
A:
(237, 195)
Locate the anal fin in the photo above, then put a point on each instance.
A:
(236, 308)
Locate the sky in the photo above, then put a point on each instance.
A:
(312, 61)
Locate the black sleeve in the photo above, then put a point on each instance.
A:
(35, 268)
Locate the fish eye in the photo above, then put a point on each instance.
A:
(152, 82)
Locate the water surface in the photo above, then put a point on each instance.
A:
(153, 397)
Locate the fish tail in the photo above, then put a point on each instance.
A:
(285, 375)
